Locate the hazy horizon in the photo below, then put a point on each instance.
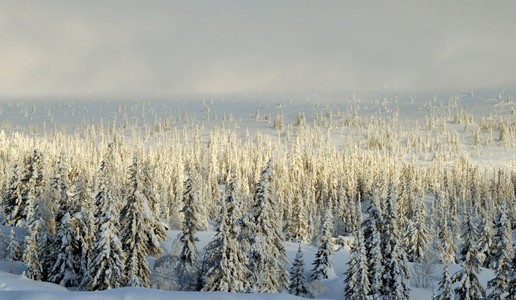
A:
(170, 48)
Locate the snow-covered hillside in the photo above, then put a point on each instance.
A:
(310, 166)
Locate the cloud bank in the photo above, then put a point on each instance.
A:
(191, 47)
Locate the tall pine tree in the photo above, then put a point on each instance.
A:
(107, 257)
(267, 255)
(396, 273)
(501, 257)
(188, 239)
(12, 249)
(444, 291)
(467, 284)
(298, 285)
(66, 268)
(142, 232)
(227, 260)
(356, 284)
(323, 263)
(373, 247)
(32, 253)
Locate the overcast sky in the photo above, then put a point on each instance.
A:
(191, 47)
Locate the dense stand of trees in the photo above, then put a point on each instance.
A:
(94, 213)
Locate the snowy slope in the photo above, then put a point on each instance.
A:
(236, 113)
(16, 286)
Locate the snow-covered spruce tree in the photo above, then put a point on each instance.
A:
(226, 259)
(485, 239)
(57, 194)
(298, 230)
(373, 248)
(323, 262)
(298, 284)
(136, 228)
(501, 258)
(446, 243)
(267, 254)
(13, 203)
(12, 249)
(106, 258)
(502, 240)
(66, 267)
(228, 272)
(24, 190)
(396, 274)
(36, 253)
(341, 215)
(467, 284)
(83, 222)
(157, 232)
(31, 253)
(416, 235)
(444, 290)
(356, 284)
(188, 239)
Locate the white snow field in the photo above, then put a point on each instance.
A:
(247, 115)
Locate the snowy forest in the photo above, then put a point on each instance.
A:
(201, 201)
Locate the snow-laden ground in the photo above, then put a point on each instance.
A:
(16, 286)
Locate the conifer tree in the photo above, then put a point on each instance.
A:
(356, 284)
(31, 253)
(396, 273)
(375, 265)
(267, 255)
(444, 291)
(12, 249)
(106, 258)
(485, 239)
(188, 238)
(24, 191)
(36, 241)
(502, 240)
(467, 284)
(323, 263)
(298, 225)
(417, 238)
(58, 192)
(13, 202)
(227, 260)
(298, 285)
(157, 230)
(83, 222)
(66, 267)
(373, 248)
(228, 272)
(501, 258)
(135, 228)
(446, 244)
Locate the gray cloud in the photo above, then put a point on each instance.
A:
(182, 47)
